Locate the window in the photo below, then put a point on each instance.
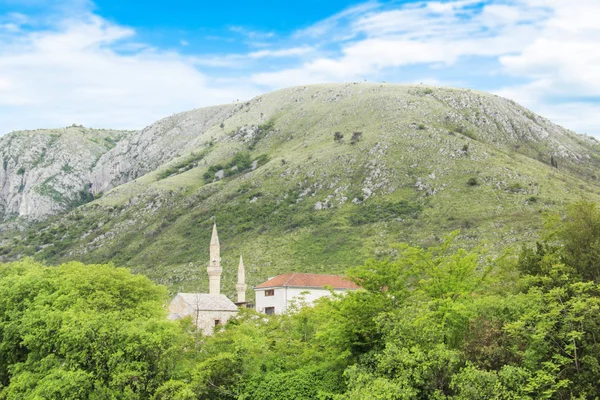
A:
(217, 322)
(270, 292)
(269, 310)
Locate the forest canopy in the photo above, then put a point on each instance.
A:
(438, 322)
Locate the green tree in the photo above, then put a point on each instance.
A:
(580, 237)
(77, 331)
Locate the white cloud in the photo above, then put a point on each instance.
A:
(562, 62)
(83, 69)
(293, 51)
(75, 75)
(251, 34)
(421, 33)
(552, 44)
(334, 25)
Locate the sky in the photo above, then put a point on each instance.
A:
(125, 64)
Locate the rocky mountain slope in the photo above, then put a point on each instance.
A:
(319, 178)
(146, 150)
(48, 171)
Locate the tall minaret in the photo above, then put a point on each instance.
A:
(241, 285)
(214, 265)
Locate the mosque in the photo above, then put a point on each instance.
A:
(211, 309)
(275, 296)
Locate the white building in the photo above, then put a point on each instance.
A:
(208, 310)
(277, 294)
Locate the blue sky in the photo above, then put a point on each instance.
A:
(125, 64)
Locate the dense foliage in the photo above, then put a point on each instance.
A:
(76, 332)
(435, 323)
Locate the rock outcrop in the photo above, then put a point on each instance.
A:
(47, 171)
(146, 150)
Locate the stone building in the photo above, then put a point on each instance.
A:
(276, 295)
(210, 309)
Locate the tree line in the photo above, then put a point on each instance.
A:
(437, 323)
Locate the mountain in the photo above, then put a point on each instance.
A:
(48, 171)
(318, 178)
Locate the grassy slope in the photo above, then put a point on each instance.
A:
(410, 169)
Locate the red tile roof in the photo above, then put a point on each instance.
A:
(309, 280)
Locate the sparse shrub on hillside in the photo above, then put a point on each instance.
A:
(462, 130)
(473, 182)
(338, 136)
(553, 162)
(262, 160)
(465, 148)
(241, 162)
(83, 196)
(109, 142)
(515, 187)
(261, 132)
(356, 137)
(423, 91)
(530, 115)
(375, 212)
(21, 171)
(192, 161)
(421, 127)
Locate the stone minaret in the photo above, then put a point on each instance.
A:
(241, 285)
(214, 265)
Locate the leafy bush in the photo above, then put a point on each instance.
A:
(74, 331)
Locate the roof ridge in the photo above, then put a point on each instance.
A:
(289, 279)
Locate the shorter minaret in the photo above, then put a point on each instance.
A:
(241, 285)
(214, 265)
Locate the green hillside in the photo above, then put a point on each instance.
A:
(320, 178)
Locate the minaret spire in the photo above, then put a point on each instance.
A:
(214, 264)
(241, 285)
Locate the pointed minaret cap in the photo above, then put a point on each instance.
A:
(241, 285)
(241, 272)
(215, 237)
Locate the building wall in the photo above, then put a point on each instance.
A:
(206, 320)
(177, 306)
(285, 297)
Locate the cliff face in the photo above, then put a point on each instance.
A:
(47, 171)
(146, 150)
(52, 170)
